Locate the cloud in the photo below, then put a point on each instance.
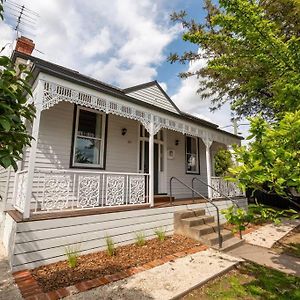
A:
(119, 41)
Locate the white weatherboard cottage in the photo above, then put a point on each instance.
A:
(99, 159)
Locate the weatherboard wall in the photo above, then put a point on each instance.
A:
(43, 242)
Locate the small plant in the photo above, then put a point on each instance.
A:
(110, 246)
(160, 233)
(140, 239)
(72, 252)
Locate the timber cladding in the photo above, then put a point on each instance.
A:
(43, 242)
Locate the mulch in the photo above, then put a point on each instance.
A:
(249, 228)
(99, 264)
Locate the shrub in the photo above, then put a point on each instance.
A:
(110, 246)
(223, 162)
(140, 239)
(160, 233)
(72, 252)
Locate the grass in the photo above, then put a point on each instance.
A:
(160, 234)
(110, 246)
(72, 253)
(250, 281)
(140, 239)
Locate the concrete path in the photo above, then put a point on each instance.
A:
(166, 281)
(268, 235)
(8, 289)
(259, 242)
(266, 257)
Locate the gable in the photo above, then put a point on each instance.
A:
(153, 95)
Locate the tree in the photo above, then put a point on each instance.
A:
(222, 161)
(252, 53)
(271, 161)
(14, 110)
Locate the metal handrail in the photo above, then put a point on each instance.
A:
(210, 201)
(222, 194)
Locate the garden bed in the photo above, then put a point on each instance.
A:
(99, 264)
(249, 281)
(249, 228)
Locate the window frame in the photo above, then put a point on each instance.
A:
(103, 140)
(197, 172)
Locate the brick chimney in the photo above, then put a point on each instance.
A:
(25, 45)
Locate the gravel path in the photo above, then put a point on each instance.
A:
(268, 235)
(166, 281)
(8, 289)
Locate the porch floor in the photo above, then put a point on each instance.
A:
(17, 216)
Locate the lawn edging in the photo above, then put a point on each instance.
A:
(31, 290)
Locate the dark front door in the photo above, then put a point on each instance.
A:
(156, 162)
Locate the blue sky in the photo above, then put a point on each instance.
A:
(121, 42)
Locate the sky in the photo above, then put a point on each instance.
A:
(121, 42)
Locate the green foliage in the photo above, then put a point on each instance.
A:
(271, 162)
(160, 233)
(14, 109)
(140, 239)
(252, 54)
(72, 252)
(110, 246)
(256, 214)
(237, 217)
(223, 162)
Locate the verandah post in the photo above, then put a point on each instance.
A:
(208, 143)
(151, 162)
(32, 151)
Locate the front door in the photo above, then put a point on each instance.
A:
(156, 163)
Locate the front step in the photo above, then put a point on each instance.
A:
(212, 239)
(199, 220)
(230, 244)
(198, 226)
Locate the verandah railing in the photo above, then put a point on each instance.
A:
(227, 188)
(59, 190)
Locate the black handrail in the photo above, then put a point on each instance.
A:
(194, 191)
(222, 194)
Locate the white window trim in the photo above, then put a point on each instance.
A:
(102, 140)
(197, 172)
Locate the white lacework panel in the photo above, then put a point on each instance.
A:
(137, 190)
(234, 190)
(215, 183)
(115, 190)
(21, 191)
(56, 192)
(88, 191)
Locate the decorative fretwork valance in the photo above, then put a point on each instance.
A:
(54, 93)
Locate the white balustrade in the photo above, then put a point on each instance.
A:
(58, 190)
(226, 188)
(20, 190)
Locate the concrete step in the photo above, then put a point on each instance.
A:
(212, 239)
(231, 244)
(188, 213)
(204, 229)
(199, 220)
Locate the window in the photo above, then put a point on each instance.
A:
(89, 134)
(192, 155)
